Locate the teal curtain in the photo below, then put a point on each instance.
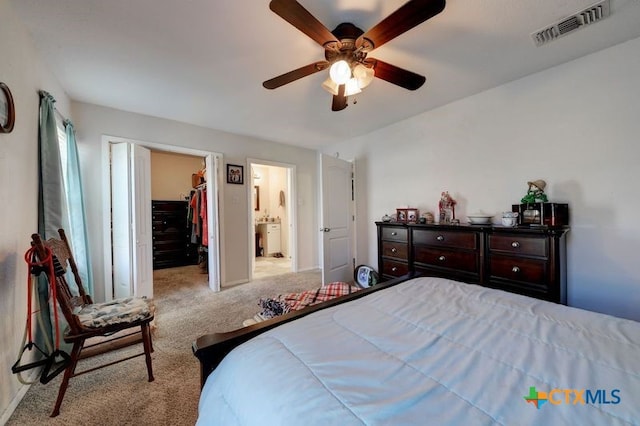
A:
(51, 202)
(52, 209)
(77, 218)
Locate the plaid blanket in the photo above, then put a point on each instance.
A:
(272, 307)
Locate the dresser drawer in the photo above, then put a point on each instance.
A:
(172, 234)
(464, 240)
(169, 245)
(518, 269)
(519, 244)
(394, 233)
(169, 256)
(394, 269)
(169, 207)
(459, 260)
(394, 249)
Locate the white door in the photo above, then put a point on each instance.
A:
(337, 220)
(120, 220)
(213, 177)
(142, 261)
(131, 220)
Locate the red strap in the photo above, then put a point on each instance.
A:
(30, 258)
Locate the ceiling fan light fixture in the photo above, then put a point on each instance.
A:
(351, 87)
(364, 75)
(340, 72)
(330, 86)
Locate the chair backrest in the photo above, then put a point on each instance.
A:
(63, 258)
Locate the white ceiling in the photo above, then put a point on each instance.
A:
(203, 61)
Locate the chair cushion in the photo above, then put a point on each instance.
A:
(117, 311)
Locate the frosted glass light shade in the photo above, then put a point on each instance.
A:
(351, 88)
(364, 75)
(330, 86)
(340, 72)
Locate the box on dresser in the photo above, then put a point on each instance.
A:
(542, 214)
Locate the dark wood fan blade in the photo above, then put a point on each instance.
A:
(403, 78)
(294, 75)
(293, 12)
(339, 101)
(410, 15)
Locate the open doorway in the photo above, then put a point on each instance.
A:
(128, 222)
(272, 225)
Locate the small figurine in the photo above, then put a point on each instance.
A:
(447, 208)
(535, 193)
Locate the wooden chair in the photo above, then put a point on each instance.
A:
(94, 320)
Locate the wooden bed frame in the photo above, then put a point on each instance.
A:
(210, 349)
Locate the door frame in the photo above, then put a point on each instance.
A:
(291, 210)
(215, 264)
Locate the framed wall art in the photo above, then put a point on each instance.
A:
(7, 109)
(235, 174)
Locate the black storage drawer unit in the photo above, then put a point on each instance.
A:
(171, 235)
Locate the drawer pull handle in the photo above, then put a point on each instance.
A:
(394, 233)
(440, 238)
(515, 269)
(394, 269)
(394, 250)
(442, 258)
(515, 244)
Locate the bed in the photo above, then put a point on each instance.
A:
(425, 351)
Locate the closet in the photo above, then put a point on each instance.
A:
(176, 236)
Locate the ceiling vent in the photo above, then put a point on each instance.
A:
(574, 22)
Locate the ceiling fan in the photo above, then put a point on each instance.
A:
(347, 46)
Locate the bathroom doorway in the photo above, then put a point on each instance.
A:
(272, 224)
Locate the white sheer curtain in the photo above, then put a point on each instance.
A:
(76, 210)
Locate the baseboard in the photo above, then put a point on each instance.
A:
(6, 415)
(312, 269)
(232, 283)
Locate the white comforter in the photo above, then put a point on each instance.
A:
(432, 351)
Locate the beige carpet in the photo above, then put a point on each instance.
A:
(120, 394)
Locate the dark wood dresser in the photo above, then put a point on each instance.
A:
(171, 234)
(393, 250)
(529, 261)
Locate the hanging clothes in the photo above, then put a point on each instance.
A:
(203, 217)
(194, 214)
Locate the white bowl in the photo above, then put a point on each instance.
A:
(480, 219)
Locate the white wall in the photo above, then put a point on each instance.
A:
(92, 122)
(22, 70)
(171, 175)
(577, 126)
